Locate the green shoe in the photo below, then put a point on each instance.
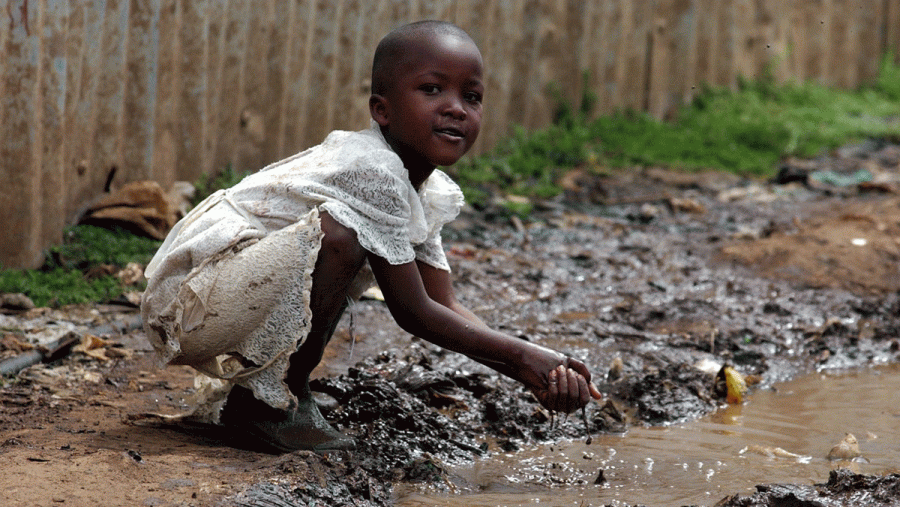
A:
(302, 428)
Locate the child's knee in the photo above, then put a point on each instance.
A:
(340, 243)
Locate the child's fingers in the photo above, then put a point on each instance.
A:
(552, 393)
(562, 390)
(579, 368)
(568, 390)
(595, 393)
(583, 392)
(574, 394)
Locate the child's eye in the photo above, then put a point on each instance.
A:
(430, 88)
(473, 97)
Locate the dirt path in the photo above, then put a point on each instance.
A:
(773, 279)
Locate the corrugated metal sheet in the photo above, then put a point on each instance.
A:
(171, 89)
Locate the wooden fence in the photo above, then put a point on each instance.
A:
(170, 89)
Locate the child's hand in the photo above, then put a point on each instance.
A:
(565, 388)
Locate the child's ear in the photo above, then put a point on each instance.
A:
(378, 108)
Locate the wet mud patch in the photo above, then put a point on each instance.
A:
(843, 488)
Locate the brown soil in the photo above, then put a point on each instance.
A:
(87, 431)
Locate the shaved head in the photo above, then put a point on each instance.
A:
(389, 55)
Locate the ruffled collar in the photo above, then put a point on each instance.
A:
(436, 203)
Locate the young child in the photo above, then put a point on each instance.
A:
(249, 286)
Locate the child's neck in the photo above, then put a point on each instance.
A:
(417, 167)
(417, 178)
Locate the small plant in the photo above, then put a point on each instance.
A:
(85, 246)
(59, 286)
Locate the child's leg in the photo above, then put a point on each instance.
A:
(340, 259)
(303, 427)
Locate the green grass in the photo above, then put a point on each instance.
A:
(747, 132)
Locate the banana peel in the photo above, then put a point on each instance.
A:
(732, 384)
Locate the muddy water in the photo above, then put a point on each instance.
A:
(781, 435)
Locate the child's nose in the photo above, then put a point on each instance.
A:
(455, 107)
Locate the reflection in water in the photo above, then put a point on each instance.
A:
(780, 435)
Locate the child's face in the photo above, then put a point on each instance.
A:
(431, 113)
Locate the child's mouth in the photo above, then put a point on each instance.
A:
(450, 132)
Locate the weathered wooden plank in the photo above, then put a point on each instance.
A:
(361, 50)
(229, 88)
(891, 26)
(320, 60)
(288, 76)
(110, 98)
(217, 16)
(253, 92)
(166, 132)
(835, 40)
(507, 90)
(52, 200)
(305, 69)
(745, 38)
(814, 20)
(660, 55)
(276, 63)
(192, 87)
(91, 18)
(724, 65)
(709, 42)
(613, 63)
(485, 32)
(5, 29)
(72, 167)
(589, 44)
(774, 25)
(140, 90)
(638, 22)
(335, 45)
(20, 172)
(671, 50)
(689, 54)
(870, 48)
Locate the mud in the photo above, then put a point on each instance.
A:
(843, 488)
(655, 279)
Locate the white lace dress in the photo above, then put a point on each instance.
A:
(228, 291)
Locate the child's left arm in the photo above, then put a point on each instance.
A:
(422, 301)
(439, 286)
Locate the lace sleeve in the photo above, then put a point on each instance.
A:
(431, 252)
(442, 200)
(371, 197)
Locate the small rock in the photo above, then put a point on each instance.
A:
(846, 449)
(16, 301)
(616, 368)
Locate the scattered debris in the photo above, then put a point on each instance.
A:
(845, 450)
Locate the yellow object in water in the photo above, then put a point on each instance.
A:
(735, 384)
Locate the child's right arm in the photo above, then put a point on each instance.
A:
(559, 382)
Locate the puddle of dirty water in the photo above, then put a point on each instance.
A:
(782, 435)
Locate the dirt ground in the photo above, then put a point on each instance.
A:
(642, 274)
